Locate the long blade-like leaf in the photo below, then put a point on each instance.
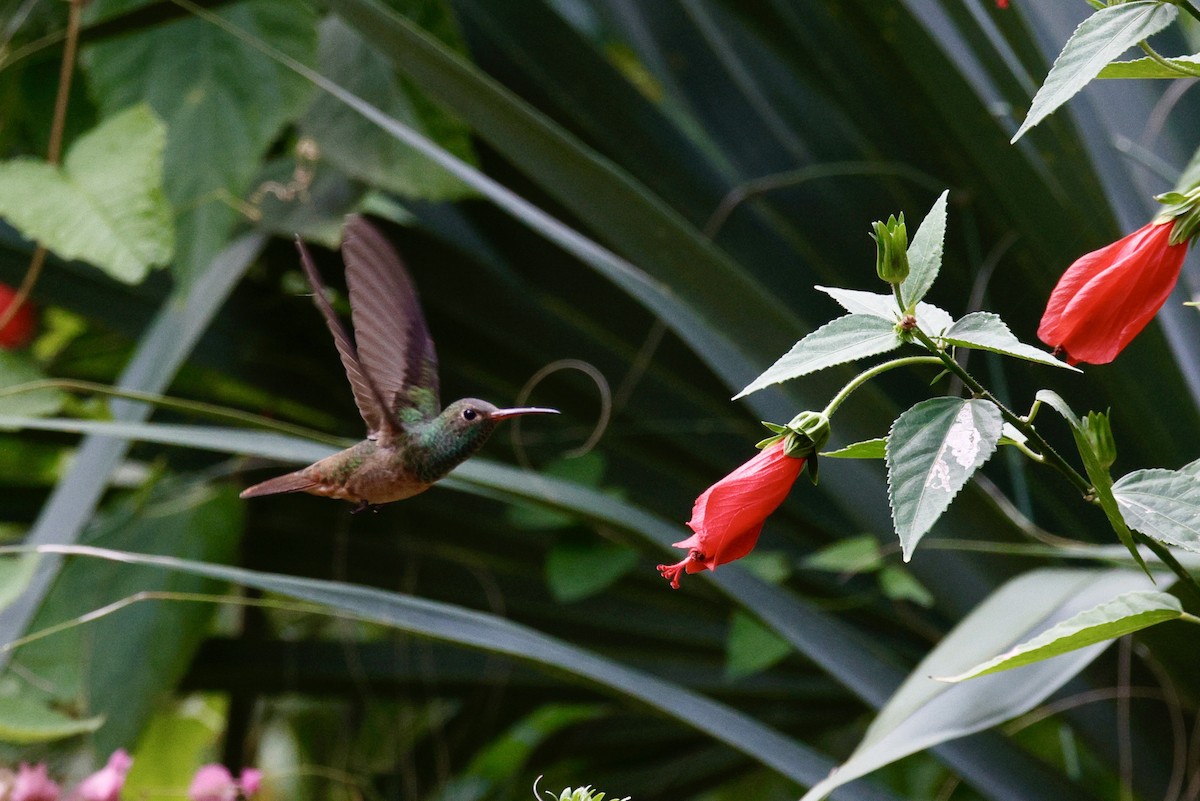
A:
(491, 633)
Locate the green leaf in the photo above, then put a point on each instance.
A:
(184, 315)
(751, 647)
(924, 712)
(925, 253)
(575, 571)
(17, 368)
(1163, 504)
(1098, 40)
(90, 665)
(105, 204)
(1186, 66)
(1123, 615)
(900, 585)
(855, 336)
(867, 449)
(1097, 473)
(224, 103)
(1056, 402)
(177, 739)
(25, 720)
(932, 451)
(854, 555)
(491, 633)
(358, 147)
(986, 331)
(586, 470)
(930, 318)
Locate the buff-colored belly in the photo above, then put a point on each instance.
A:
(363, 474)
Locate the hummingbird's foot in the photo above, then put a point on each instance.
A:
(364, 506)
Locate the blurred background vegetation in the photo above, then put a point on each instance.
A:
(640, 195)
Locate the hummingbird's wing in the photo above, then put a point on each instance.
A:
(389, 327)
(381, 424)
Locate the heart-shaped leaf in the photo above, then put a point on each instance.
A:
(1163, 504)
(932, 450)
(105, 204)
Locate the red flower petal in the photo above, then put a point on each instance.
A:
(728, 516)
(1108, 296)
(21, 328)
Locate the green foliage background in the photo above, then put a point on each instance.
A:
(651, 189)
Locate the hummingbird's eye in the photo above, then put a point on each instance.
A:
(469, 414)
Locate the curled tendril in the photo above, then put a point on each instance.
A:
(606, 406)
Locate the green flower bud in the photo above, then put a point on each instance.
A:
(1098, 432)
(891, 249)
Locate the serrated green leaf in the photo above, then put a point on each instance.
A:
(1152, 68)
(25, 720)
(925, 253)
(1123, 615)
(932, 451)
(105, 204)
(1098, 40)
(986, 331)
(855, 336)
(751, 647)
(224, 103)
(930, 318)
(358, 147)
(867, 449)
(1163, 504)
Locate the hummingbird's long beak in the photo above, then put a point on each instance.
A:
(501, 414)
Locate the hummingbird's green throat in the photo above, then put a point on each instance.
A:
(392, 368)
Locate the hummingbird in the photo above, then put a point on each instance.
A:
(392, 368)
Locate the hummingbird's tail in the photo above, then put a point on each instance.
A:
(292, 482)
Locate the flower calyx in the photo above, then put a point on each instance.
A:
(891, 249)
(1184, 209)
(802, 438)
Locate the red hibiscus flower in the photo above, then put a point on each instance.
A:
(1107, 297)
(21, 327)
(729, 515)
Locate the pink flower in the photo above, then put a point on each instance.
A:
(106, 783)
(729, 515)
(216, 783)
(1107, 297)
(32, 784)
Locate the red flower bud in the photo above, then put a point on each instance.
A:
(22, 326)
(729, 515)
(1107, 297)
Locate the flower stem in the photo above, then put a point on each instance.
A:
(1054, 459)
(1161, 61)
(1167, 558)
(867, 375)
(1049, 455)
